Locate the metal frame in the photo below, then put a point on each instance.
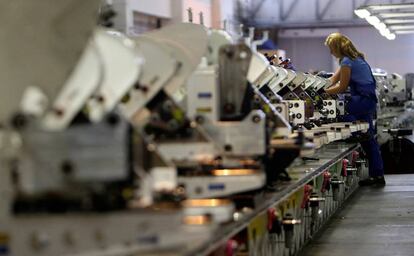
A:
(321, 13)
(248, 13)
(256, 9)
(283, 14)
(233, 228)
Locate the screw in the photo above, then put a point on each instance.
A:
(228, 148)
(256, 119)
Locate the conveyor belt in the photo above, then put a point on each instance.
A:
(376, 221)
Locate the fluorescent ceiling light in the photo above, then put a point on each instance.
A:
(396, 15)
(373, 20)
(380, 26)
(362, 13)
(379, 7)
(398, 21)
(390, 36)
(404, 32)
(385, 32)
(402, 27)
(389, 17)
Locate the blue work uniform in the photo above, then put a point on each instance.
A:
(362, 106)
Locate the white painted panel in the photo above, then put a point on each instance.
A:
(160, 8)
(297, 33)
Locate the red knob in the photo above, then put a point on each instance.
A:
(271, 216)
(355, 156)
(231, 246)
(345, 163)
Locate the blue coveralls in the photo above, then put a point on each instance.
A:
(362, 106)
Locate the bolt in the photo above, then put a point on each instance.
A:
(19, 121)
(67, 167)
(256, 119)
(199, 119)
(58, 112)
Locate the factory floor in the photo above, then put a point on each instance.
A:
(374, 221)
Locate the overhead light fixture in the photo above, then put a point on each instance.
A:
(380, 26)
(385, 32)
(396, 15)
(390, 36)
(401, 27)
(398, 21)
(373, 20)
(362, 13)
(404, 32)
(381, 7)
(388, 17)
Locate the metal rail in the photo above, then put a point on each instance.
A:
(285, 191)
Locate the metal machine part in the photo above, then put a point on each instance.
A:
(289, 223)
(234, 138)
(268, 214)
(297, 111)
(216, 39)
(336, 187)
(187, 43)
(277, 84)
(97, 72)
(75, 168)
(183, 151)
(121, 50)
(153, 77)
(314, 204)
(340, 107)
(83, 81)
(330, 106)
(221, 210)
(76, 179)
(234, 64)
(202, 89)
(115, 233)
(222, 182)
(396, 92)
(59, 42)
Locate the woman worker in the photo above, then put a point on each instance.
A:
(355, 72)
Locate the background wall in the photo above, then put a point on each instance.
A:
(306, 11)
(391, 55)
(170, 11)
(307, 54)
(306, 48)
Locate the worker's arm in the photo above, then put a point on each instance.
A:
(335, 77)
(344, 77)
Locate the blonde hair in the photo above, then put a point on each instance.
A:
(343, 46)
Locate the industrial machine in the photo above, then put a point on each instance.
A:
(395, 121)
(103, 151)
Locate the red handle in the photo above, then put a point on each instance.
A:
(355, 156)
(270, 218)
(306, 195)
(231, 246)
(326, 179)
(344, 167)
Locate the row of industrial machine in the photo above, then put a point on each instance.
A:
(395, 120)
(184, 140)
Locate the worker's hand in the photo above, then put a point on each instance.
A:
(329, 91)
